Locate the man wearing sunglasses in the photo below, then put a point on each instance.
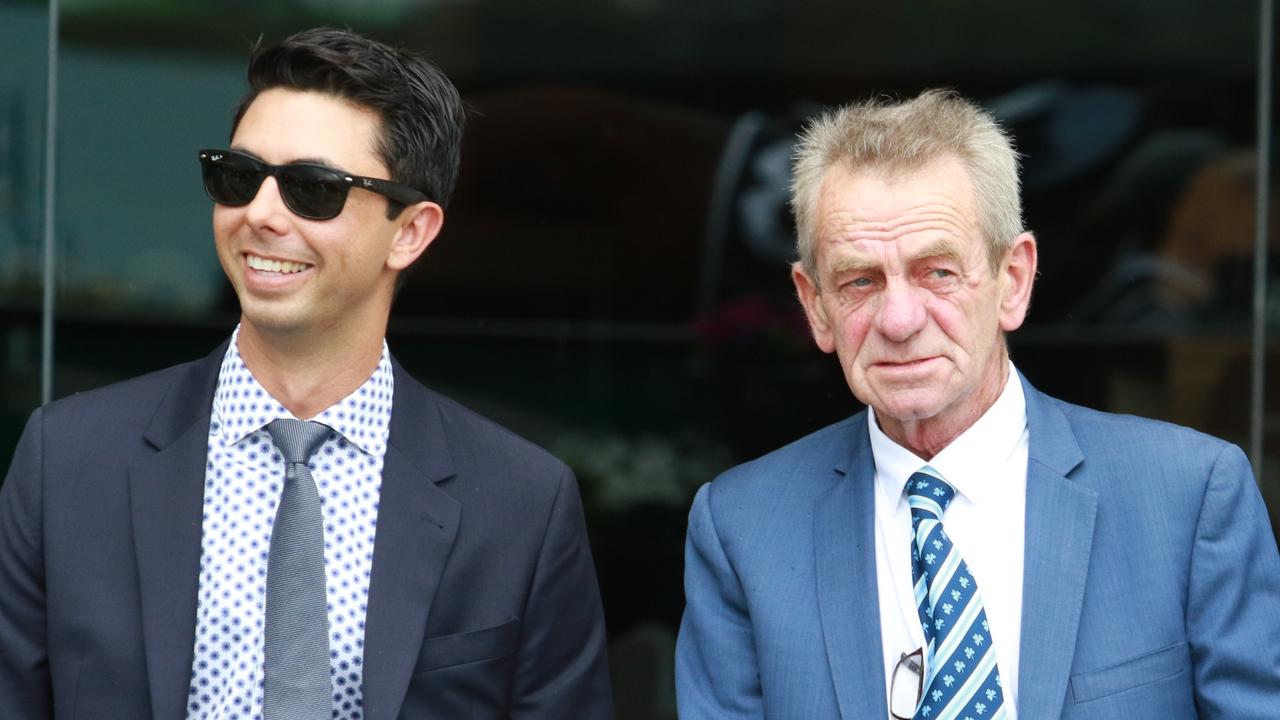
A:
(293, 527)
(967, 548)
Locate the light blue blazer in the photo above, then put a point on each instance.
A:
(1151, 582)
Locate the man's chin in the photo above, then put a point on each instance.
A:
(906, 405)
(271, 319)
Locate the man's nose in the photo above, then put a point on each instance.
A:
(902, 311)
(267, 207)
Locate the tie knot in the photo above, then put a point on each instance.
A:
(297, 440)
(928, 494)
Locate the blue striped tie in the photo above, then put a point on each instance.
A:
(963, 680)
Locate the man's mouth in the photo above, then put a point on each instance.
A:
(283, 267)
(903, 363)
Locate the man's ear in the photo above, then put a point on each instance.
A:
(819, 324)
(1017, 275)
(420, 224)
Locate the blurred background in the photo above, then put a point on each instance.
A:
(612, 279)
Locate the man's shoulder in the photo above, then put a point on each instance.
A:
(1099, 427)
(133, 399)
(805, 466)
(1129, 442)
(476, 441)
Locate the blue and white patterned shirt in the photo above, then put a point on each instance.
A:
(244, 476)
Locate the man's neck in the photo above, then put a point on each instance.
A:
(309, 371)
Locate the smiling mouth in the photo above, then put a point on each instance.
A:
(282, 267)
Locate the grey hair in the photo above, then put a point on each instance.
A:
(891, 137)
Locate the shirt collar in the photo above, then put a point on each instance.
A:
(241, 406)
(966, 462)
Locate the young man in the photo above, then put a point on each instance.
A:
(183, 545)
(967, 547)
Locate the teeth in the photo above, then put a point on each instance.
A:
(280, 266)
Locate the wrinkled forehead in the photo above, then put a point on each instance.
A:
(931, 205)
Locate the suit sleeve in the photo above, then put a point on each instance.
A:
(25, 692)
(1233, 603)
(717, 672)
(563, 669)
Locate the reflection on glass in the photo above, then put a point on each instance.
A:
(612, 278)
(24, 31)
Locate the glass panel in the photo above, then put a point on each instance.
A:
(1269, 432)
(24, 30)
(612, 280)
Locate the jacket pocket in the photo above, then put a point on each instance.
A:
(1145, 669)
(468, 647)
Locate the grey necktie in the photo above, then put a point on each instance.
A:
(296, 635)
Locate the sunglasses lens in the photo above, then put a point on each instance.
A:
(313, 192)
(231, 179)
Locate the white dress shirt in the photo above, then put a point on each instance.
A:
(244, 477)
(987, 465)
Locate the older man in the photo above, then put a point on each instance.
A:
(967, 547)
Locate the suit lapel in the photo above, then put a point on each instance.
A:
(417, 524)
(848, 602)
(166, 496)
(1059, 540)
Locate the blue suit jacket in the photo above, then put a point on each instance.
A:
(482, 602)
(1151, 583)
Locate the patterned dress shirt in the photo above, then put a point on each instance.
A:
(244, 477)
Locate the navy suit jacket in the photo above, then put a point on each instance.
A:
(1151, 582)
(483, 601)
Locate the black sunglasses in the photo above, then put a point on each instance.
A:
(311, 191)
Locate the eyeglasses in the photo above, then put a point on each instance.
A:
(907, 685)
(311, 191)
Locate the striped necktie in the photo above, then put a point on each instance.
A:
(963, 680)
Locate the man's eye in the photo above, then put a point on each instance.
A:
(941, 274)
(857, 285)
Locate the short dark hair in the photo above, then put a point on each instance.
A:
(420, 112)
